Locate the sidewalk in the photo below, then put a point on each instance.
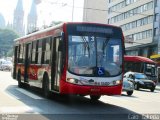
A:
(158, 86)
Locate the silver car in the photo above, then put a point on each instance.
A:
(6, 65)
(128, 86)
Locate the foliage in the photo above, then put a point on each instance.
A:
(6, 42)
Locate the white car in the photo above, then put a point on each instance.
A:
(128, 86)
(6, 65)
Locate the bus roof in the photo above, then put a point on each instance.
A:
(59, 26)
(138, 59)
(40, 31)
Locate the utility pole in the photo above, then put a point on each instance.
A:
(73, 11)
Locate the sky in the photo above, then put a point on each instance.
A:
(48, 10)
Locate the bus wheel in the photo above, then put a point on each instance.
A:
(95, 97)
(46, 86)
(19, 79)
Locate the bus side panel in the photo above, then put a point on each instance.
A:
(36, 72)
(32, 72)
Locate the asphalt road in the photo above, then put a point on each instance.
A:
(22, 104)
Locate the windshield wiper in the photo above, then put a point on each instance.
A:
(86, 44)
(105, 43)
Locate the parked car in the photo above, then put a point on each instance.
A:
(128, 86)
(6, 65)
(140, 80)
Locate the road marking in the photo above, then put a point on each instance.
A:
(29, 94)
(126, 99)
(132, 99)
(16, 109)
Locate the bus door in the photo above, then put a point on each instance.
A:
(27, 61)
(56, 63)
(15, 61)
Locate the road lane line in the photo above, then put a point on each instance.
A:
(16, 109)
(29, 94)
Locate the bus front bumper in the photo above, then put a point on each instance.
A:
(68, 88)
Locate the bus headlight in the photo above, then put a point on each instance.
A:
(117, 82)
(72, 80)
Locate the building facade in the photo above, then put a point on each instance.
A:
(18, 19)
(157, 24)
(32, 18)
(2, 22)
(95, 11)
(137, 20)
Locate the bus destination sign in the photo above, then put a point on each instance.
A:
(94, 29)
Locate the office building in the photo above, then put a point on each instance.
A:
(137, 19)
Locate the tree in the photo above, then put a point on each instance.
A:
(6, 42)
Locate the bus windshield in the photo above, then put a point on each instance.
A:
(94, 55)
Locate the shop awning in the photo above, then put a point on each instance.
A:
(155, 56)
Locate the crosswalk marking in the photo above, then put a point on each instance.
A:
(29, 94)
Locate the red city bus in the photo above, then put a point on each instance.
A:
(142, 65)
(71, 58)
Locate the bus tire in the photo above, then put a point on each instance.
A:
(19, 79)
(95, 97)
(45, 87)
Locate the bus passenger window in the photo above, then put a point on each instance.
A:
(47, 51)
(39, 52)
(43, 50)
(21, 52)
(33, 56)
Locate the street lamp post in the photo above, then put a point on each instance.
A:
(72, 10)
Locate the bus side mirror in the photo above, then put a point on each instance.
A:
(61, 52)
(61, 46)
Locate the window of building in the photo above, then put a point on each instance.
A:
(155, 31)
(127, 2)
(145, 7)
(138, 23)
(130, 13)
(144, 35)
(157, 17)
(145, 20)
(155, 3)
(150, 5)
(134, 37)
(150, 19)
